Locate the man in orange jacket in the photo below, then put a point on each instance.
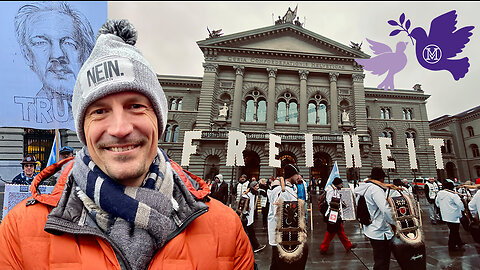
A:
(121, 203)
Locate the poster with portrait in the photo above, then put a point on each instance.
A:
(17, 193)
(44, 45)
(348, 204)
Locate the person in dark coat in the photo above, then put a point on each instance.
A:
(220, 189)
(28, 166)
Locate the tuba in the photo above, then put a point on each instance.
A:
(408, 245)
(291, 234)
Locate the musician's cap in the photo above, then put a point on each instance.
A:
(29, 159)
(448, 185)
(337, 181)
(252, 184)
(290, 170)
(377, 173)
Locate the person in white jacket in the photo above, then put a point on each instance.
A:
(335, 212)
(474, 204)
(451, 208)
(292, 177)
(250, 214)
(241, 187)
(380, 230)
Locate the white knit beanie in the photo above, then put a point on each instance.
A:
(115, 66)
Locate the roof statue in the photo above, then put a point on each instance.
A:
(290, 15)
(214, 33)
(356, 46)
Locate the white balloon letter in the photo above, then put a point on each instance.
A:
(385, 153)
(188, 148)
(308, 150)
(437, 148)
(412, 155)
(237, 142)
(352, 151)
(273, 151)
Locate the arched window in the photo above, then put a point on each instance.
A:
(250, 111)
(256, 107)
(282, 112)
(173, 104)
(367, 111)
(168, 132)
(312, 113)
(411, 134)
(322, 114)
(262, 111)
(470, 131)
(382, 113)
(176, 130)
(179, 104)
(317, 110)
(449, 146)
(475, 151)
(407, 114)
(387, 113)
(389, 134)
(292, 112)
(287, 109)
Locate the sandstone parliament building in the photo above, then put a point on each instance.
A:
(286, 80)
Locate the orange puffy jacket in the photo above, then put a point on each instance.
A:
(214, 240)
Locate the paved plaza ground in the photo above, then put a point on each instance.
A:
(436, 238)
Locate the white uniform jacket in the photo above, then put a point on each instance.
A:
(273, 195)
(379, 209)
(450, 205)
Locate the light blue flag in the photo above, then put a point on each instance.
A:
(53, 153)
(334, 173)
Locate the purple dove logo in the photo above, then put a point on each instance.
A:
(444, 41)
(385, 61)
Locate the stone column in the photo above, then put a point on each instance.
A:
(237, 97)
(271, 102)
(205, 107)
(303, 100)
(333, 102)
(359, 102)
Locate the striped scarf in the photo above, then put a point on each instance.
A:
(137, 219)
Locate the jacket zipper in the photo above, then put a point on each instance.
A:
(121, 257)
(185, 223)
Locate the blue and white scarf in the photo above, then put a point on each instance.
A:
(137, 219)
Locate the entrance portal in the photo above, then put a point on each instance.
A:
(252, 164)
(285, 158)
(322, 165)
(451, 170)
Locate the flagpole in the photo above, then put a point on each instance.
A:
(57, 145)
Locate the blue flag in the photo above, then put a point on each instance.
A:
(53, 153)
(333, 174)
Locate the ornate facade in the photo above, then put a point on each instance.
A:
(286, 80)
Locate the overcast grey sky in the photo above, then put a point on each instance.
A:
(168, 32)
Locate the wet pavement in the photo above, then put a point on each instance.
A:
(436, 238)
